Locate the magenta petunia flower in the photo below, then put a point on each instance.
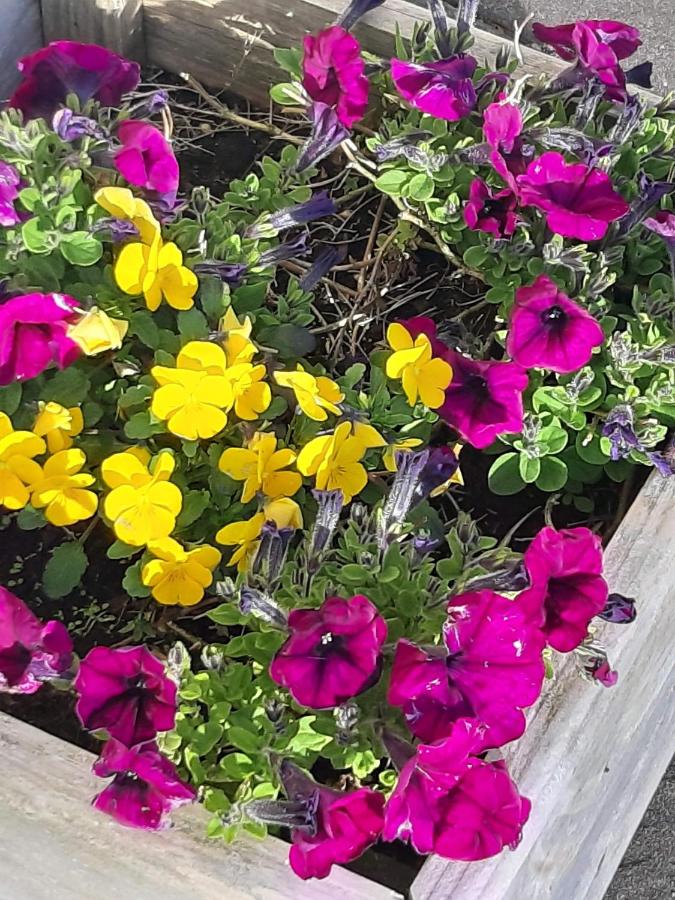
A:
(33, 335)
(550, 331)
(443, 89)
(146, 786)
(663, 224)
(578, 202)
(68, 67)
(30, 652)
(126, 692)
(345, 824)
(494, 212)
(567, 588)
(502, 126)
(600, 670)
(623, 39)
(333, 72)
(9, 191)
(332, 654)
(146, 159)
(451, 802)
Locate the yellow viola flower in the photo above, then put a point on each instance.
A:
(142, 505)
(156, 270)
(388, 457)
(335, 461)
(260, 467)
(61, 490)
(193, 398)
(412, 362)
(178, 576)
(251, 395)
(238, 345)
(315, 395)
(18, 469)
(245, 534)
(97, 332)
(122, 204)
(58, 425)
(367, 435)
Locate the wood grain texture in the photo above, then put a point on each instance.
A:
(116, 24)
(591, 758)
(55, 847)
(20, 33)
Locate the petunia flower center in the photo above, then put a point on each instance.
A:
(553, 317)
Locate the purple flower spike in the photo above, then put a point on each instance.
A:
(493, 212)
(145, 789)
(318, 206)
(619, 427)
(68, 67)
(332, 654)
(547, 330)
(355, 11)
(327, 134)
(229, 273)
(30, 652)
(619, 610)
(125, 692)
(33, 335)
(578, 202)
(9, 191)
(443, 89)
(146, 160)
(327, 258)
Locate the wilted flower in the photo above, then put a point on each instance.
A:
(146, 159)
(34, 329)
(567, 588)
(261, 467)
(318, 206)
(440, 471)
(451, 802)
(245, 534)
(600, 671)
(316, 395)
(333, 72)
(61, 490)
(96, 332)
(125, 692)
(619, 610)
(409, 468)
(332, 654)
(270, 556)
(57, 425)
(650, 193)
(422, 375)
(327, 134)
(355, 11)
(443, 89)
(550, 331)
(10, 181)
(71, 127)
(30, 652)
(229, 273)
(146, 787)
(178, 576)
(68, 67)
(288, 250)
(494, 212)
(253, 602)
(619, 428)
(579, 202)
(663, 224)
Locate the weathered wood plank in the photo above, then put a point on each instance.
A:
(55, 847)
(116, 24)
(591, 759)
(20, 33)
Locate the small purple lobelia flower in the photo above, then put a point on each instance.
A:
(619, 609)
(494, 212)
(33, 335)
(30, 652)
(145, 789)
(10, 181)
(318, 206)
(547, 330)
(327, 134)
(146, 160)
(332, 654)
(578, 202)
(68, 67)
(344, 823)
(127, 693)
(451, 802)
(443, 89)
(333, 72)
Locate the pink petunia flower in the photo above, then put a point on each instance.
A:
(145, 789)
(567, 588)
(345, 824)
(443, 89)
(69, 67)
(550, 331)
(451, 802)
(663, 224)
(127, 693)
(494, 212)
(30, 652)
(146, 159)
(333, 72)
(33, 335)
(502, 126)
(9, 191)
(579, 202)
(332, 654)
(600, 670)
(623, 39)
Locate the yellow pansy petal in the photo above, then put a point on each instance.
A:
(351, 481)
(71, 506)
(238, 462)
(154, 571)
(398, 337)
(206, 555)
(124, 468)
(368, 436)
(409, 382)
(67, 462)
(22, 443)
(130, 268)
(13, 493)
(242, 531)
(163, 466)
(215, 390)
(202, 356)
(5, 425)
(179, 286)
(97, 332)
(138, 525)
(118, 501)
(312, 454)
(168, 399)
(26, 469)
(281, 459)
(329, 390)
(152, 292)
(255, 400)
(403, 359)
(167, 549)
(167, 495)
(178, 589)
(434, 378)
(285, 513)
(281, 484)
(197, 421)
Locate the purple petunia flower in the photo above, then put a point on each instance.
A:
(30, 652)
(333, 72)
(663, 224)
(567, 588)
(324, 262)
(443, 89)
(127, 693)
(451, 802)
(146, 786)
(332, 654)
(440, 466)
(619, 610)
(33, 335)
(327, 134)
(494, 212)
(578, 202)
(547, 330)
(344, 823)
(10, 181)
(69, 67)
(146, 160)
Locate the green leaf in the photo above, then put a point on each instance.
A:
(474, 257)
(144, 327)
(120, 550)
(552, 438)
(589, 448)
(35, 239)
(140, 426)
(504, 475)
(64, 570)
(69, 387)
(353, 573)
(192, 325)
(289, 59)
(194, 504)
(225, 614)
(353, 375)
(392, 181)
(81, 248)
(205, 737)
(132, 582)
(529, 468)
(286, 94)
(553, 475)
(420, 187)
(212, 294)
(29, 519)
(307, 738)
(363, 763)
(10, 398)
(243, 739)
(237, 766)
(292, 341)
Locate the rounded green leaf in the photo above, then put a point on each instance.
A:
(420, 187)
(504, 475)
(392, 181)
(529, 468)
(553, 474)
(81, 248)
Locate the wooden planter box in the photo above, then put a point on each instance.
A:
(590, 760)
